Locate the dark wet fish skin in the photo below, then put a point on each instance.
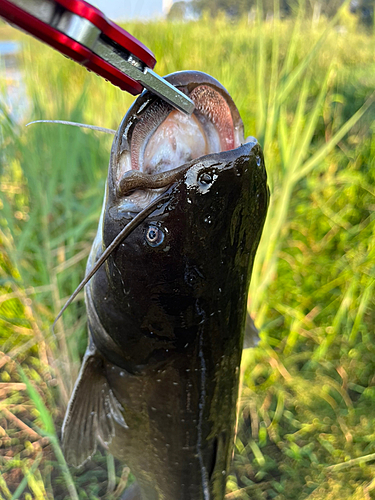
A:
(166, 327)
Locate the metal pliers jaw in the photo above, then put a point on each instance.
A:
(80, 31)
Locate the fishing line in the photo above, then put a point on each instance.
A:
(75, 124)
(133, 224)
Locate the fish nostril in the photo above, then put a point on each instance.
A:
(205, 178)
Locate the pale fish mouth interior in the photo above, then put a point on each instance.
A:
(163, 139)
(178, 140)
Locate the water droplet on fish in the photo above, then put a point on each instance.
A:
(122, 374)
(187, 369)
(158, 380)
(169, 415)
(220, 290)
(153, 409)
(259, 161)
(175, 383)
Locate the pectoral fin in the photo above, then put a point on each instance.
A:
(92, 412)
(251, 337)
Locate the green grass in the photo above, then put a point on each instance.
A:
(307, 408)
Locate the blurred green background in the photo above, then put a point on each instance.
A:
(305, 89)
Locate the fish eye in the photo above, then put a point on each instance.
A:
(205, 178)
(154, 236)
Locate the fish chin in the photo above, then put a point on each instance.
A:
(155, 138)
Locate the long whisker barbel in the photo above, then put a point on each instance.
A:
(75, 124)
(133, 224)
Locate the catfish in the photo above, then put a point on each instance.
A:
(166, 311)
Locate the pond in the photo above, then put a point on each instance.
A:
(13, 98)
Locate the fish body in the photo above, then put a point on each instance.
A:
(166, 312)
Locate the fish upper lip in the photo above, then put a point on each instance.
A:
(125, 207)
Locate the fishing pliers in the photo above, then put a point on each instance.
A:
(82, 32)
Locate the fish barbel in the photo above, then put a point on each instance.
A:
(166, 311)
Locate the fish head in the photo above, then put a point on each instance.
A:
(188, 255)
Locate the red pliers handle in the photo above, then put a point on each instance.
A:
(80, 31)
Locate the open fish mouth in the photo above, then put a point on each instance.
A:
(154, 140)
